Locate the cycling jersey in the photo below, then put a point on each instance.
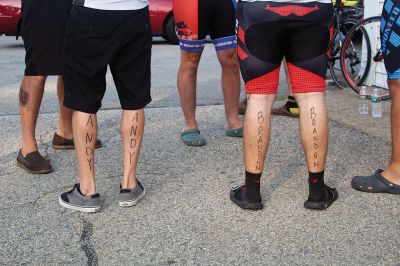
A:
(113, 4)
(196, 18)
(390, 37)
(271, 30)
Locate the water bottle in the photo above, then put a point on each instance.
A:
(363, 107)
(376, 103)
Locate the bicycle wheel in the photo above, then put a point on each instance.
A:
(358, 52)
(334, 60)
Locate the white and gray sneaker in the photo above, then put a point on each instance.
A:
(129, 197)
(74, 200)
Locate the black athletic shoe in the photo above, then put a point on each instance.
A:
(324, 204)
(238, 196)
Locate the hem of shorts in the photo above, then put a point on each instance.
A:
(271, 92)
(133, 107)
(34, 74)
(74, 107)
(310, 90)
(393, 78)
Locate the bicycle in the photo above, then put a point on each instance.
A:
(361, 54)
(344, 19)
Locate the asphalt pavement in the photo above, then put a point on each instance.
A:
(187, 217)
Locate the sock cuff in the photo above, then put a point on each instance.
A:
(252, 175)
(291, 98)
(319, 175)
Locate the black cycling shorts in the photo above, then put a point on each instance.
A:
(269, 31)
(390, 38)
(43, 34)
(96, 39)
(195, 19)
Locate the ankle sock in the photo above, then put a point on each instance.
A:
(291, 103)
(252, 185)
(317, 188)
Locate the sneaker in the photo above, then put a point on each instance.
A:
(34, 163)
(130, 197)
(238, 196)
(74, 200)
(61, 143)
(286, 111)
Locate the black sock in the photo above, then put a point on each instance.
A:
(252, 185)
(318, 191)
(291, 103)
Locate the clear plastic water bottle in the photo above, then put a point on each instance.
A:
(363, 107)
(376, 103)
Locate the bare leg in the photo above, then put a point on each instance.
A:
(392, 173)
(132, 127)
(257, 126)
(230, 80)
(313, 129)
(30, 98)
(65, 114)
(85, 135)
(187, 78)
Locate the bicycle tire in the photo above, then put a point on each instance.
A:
(359, 28)
(334, 66)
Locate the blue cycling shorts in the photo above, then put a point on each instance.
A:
(390, 38)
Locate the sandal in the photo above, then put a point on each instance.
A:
(236, 195)
(323, 204)
(375, 183)
(192, 137)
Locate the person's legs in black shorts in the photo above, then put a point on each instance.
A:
(43, 35)
(96, 39)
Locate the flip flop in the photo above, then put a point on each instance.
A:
(375, 183)
(324, 204)
(192, 137)
(236, 133)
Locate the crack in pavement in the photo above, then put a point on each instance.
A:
(33, 203)
(86, 243)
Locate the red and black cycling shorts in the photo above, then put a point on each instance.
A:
(269, 31)
(195, 19)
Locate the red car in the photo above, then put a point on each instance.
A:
(162, 20)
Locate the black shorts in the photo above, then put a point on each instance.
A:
(196, 18)
(95, 39)
(43, 34)
(269, 31)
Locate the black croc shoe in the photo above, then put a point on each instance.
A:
(238, 196)
(375, 183)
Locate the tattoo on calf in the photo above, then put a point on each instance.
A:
(260, 142)
(89, 141)
(23, 96)
(132, 135)
(313, 117)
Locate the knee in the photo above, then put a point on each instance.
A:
(37, 80)
(316, 97)
(190, 62)
(263, 99)
(394, 87)
(230, 60)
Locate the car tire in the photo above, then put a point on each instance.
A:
(170, 31)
